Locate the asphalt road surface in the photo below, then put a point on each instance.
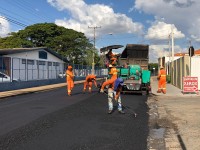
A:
(51, 120)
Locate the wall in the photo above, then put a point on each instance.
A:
(195, 68)
(182, 69)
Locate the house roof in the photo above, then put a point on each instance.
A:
(196, 52)
(180, 54)
(20, 50)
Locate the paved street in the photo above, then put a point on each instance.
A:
(52, 120)
(49, 119)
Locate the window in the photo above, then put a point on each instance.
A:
(49, 63)
(41, 63)
(42, 55)
(2, 75)
(55, 63)
(30, 62)
(23, 61)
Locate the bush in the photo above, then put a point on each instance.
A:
(168, 78)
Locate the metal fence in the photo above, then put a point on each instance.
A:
(19, 69)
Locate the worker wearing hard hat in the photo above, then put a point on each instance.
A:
(88, 82)
(113, 72)
(114, 94)
(162, 81)
(70, 80)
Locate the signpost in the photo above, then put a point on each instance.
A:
(190, 85)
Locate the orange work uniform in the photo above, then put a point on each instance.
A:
(88, 81)
(112, 57)
(69, 80)
(162, 81)
(111, 81)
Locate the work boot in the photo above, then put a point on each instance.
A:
(121, 111)
(110, 111)
(163, 91)
(158, 91)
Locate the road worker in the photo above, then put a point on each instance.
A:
(114, 94)
(162, 81)
(113, 61)
(113, 72)
(111, 57)
(88, 82)
(69, 80)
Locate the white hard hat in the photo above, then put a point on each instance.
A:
(110, 66)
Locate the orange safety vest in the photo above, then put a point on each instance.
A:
(69, 75)
(114, 73)
(162, 75)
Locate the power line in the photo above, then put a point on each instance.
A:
(28, 4)
(28, 11)
(8, 16)
(13, 21)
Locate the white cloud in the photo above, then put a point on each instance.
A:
(183, 14)
(84, 15)
(156, 51)
(4, 27)
(161, 31)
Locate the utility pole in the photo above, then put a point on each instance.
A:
(190, 56)
(94, 28)
(172, 36)
(169, 55)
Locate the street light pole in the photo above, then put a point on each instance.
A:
(95, 27)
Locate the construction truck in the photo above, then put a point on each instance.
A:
(132, 65)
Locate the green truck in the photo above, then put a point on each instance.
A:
(133, 69)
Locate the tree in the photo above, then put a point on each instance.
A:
(69, 43)
(153, 65)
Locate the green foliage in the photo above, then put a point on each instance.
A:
(168, 78)
(69, 43)
(151, 66)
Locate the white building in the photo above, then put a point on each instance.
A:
(31, 63)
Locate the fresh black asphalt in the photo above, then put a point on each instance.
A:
(51, 120)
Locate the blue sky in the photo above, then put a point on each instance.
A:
(121, 22)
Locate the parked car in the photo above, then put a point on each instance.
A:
(61, 75)
(6, 78)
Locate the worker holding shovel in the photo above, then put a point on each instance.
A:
(114, 94)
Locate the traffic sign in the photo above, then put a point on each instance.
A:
(190, 84)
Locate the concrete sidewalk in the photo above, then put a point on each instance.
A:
(176, 116)
(171, 89)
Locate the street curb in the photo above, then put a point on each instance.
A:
(36, 89)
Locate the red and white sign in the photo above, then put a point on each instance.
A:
(190, 84)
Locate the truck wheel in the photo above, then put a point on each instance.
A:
(144, 92)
